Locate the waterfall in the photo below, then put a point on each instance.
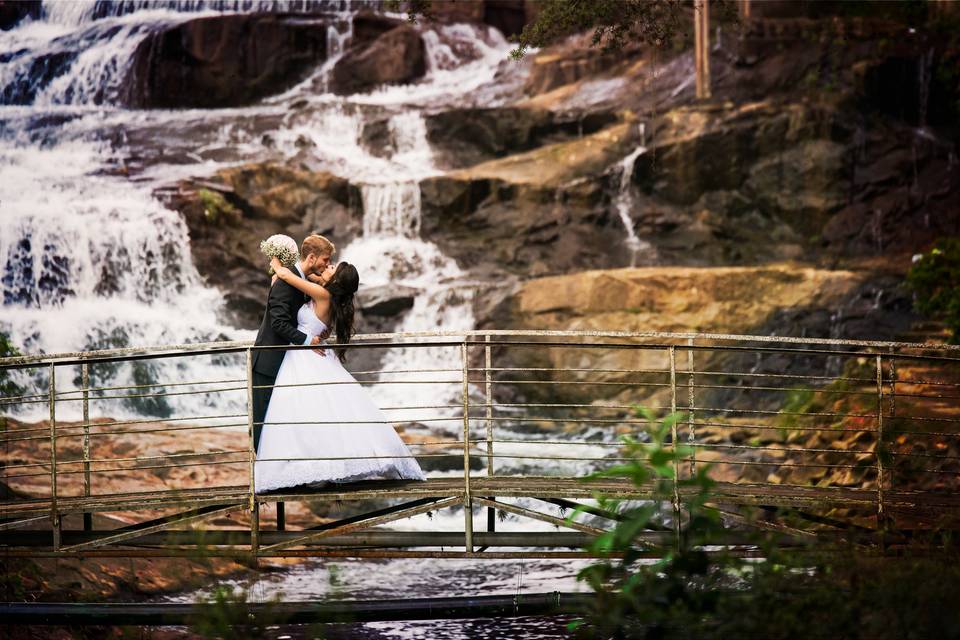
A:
(391, 209)
(90, 259)
(392, 253)
(624, 202)
(91, 262)
(408, 133)
(77, 12)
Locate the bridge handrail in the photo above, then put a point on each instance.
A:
(238, 346)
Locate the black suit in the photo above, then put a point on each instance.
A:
(279, 327)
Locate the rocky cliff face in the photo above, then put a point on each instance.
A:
(589, 161)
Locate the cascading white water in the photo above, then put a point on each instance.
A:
(391, 209)
(408, 133)
(624, 204)
(89, 262)
(392, 253)
(76, 12)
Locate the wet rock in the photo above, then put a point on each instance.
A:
(464, 137)
(368, 26)
(395, 57)
(509, 16)
(804, 184)
(43, 69)
(13, 11)
(227, 60)
(386, 300)
(569, 63)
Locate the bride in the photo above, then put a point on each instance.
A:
(321, 426)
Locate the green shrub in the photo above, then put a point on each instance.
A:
(216, 208)
(683, 591)
(934, 278)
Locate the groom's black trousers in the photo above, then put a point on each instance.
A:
(261, 398)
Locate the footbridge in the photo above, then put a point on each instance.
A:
(147, 452)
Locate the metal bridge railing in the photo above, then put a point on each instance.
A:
(765, 411)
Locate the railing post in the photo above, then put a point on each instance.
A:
(85, 382)
(676, 460)
(253, 506)
(488, 392)
(467, 499)
(893, 407)
(881, 515)
(54, 515)
(691, 432)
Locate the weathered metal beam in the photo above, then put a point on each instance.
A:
(78, 357)
(303, 612)
(16, 524)
(137, 530)
(363, 522)
(240, 539)
(536, 515)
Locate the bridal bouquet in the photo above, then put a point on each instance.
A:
(283, 248)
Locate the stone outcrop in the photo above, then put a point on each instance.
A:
(386, 300)
(531, 213)
(395, 57)
(736, 300)
(224, 61)
(469, 136)
(509, 16)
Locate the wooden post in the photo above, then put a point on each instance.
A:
(488, 383)
(701, 49)
(54, 515)
(85, 382)
(467, 499)
(744, 6)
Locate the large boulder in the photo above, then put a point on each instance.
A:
(224, 61)
(395, 57)
(230, 213)
(733, 300)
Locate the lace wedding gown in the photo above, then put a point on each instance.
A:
(353, 428)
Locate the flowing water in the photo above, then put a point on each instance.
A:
(90, 258)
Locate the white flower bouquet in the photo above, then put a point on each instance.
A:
(283, 248)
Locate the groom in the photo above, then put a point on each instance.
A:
(279, 326)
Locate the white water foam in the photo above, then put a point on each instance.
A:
(624, 203)
(90, 261)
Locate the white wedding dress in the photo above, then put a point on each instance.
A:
(349, 439)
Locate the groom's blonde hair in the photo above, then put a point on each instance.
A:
(316, 245)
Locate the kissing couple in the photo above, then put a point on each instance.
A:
(313, 423)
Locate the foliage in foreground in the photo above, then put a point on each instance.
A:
(7, 350)
(935, 280)
(836, 592)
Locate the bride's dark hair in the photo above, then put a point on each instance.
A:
(342, 285)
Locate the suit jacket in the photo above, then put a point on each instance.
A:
(279, 327)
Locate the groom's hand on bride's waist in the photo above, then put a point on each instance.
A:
(315, 341)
